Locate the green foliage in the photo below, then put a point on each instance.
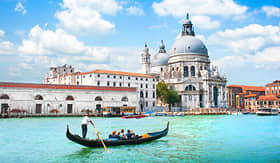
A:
(166, 95)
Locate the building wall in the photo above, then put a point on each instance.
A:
(145, 84)
(24, 99)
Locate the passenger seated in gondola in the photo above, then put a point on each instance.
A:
(122, 135)
(129, 135)
(114, 136)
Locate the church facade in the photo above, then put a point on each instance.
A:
(188, 71)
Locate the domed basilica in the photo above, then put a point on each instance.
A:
(187, 70)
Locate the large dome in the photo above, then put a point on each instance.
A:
(189, 44)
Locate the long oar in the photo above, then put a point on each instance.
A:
(100, 138)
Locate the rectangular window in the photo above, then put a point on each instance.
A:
(120, 77)
(146, 103)
(108, 83)
(153, 86)
(186, 71)
(90, 75)
(154, 104)
(146, 85)
(128, 84)
(120, 84)
(154, 95)
(136, 78)
(146, 94)
(98, 83)
(141, 85)
(146, 79)
(114, 84)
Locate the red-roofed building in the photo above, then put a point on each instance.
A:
(144, 84)
(236, 95)
(64, 99)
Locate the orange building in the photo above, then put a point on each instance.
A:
(236, 95)
(272, 96)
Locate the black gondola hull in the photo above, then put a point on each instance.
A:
(97, 143)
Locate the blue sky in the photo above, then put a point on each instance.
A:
(242, 37)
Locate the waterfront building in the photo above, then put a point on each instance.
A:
(64, 99)
(236, 95)
(188, 71)
(272, 96)
(145, 84)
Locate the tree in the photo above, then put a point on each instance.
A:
(166, 95)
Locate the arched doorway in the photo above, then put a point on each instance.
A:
(38, 107)
(98, 108)
(215, 95)
(4, 106)
(69, 105)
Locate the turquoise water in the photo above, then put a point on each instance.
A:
(223, 138)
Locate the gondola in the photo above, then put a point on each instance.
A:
(97, 143)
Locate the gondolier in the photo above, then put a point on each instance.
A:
(84, 124)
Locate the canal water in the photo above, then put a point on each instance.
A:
(221, 138)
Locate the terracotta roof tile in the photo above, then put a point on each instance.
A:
(54, 86)
(251, 95)
(248, 88)
(269, 97)
(117, 73)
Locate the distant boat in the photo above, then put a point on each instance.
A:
(245, 112)
(134, 116)
(267, 111)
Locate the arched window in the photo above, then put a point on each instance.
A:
(141, 94)
(70, 98)
(190, 88)
(193, 71)
(4, 97)
(186, 71)
(98, 98)
(124, 99)
(39, 97)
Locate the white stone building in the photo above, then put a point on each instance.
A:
(187, 70)
(45, 99)
(145, 84)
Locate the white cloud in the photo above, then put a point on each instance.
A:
(44, 48)
(205, 22)
(6, 47)
(2, 33)
(48, 42)
(133, 10)
(20, 8)
(84, 17)
(178, 8)
(248, 39)
(268, 59)
(271, 11)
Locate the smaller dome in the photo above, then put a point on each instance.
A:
(161, 58)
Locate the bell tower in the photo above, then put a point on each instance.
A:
(188, 27)
(146, 61)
